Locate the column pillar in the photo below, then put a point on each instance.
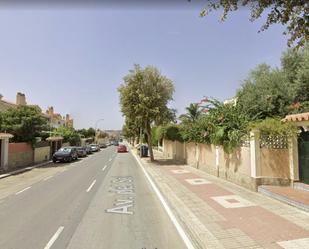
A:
(5, 153)
(293, 158)
(217, 161)
(255, 153)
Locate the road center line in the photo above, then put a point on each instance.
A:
(90, 187)
(104, 168)
(19, 192)
(45, 179)
(53, 239)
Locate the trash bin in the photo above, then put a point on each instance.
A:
(144, 151)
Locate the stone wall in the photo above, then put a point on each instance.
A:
(275, 163)
(41, 154)
(236, 167)
(20, 155)
(168, 148)
(248, 166)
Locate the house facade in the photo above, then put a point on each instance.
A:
(56, 120)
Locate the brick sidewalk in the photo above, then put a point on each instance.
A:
(218, 214)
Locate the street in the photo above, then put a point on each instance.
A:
(102, 201)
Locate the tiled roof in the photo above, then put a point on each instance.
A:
(4, 105)
(298, 117)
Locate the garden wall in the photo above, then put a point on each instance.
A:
(20, 155)
(251, 165)
(41, 152)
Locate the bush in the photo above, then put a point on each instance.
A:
(274, 126)
(171, 132)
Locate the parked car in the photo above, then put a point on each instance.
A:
(88, 149)
(65, 154)
(122, 148)
(81, 151)
(103, 145)
(94, 147)
(115, 143)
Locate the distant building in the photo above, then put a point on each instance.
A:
(68, 121)
(56, 120)
(231, 101)
(5, 105)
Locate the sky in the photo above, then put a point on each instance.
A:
(75, 57)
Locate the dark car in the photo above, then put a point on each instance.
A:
(122, 148)
(81, 151)
(65, 154)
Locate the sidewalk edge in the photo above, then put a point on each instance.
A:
(24, 169)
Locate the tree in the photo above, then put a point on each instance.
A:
(277, 92)
(144, 96)
(264, 94)
(193, 113)
(24, 122)
(293, 14)
(130, 130)
(295, 65)
(102, 134)
(68, 134)
(90, 132)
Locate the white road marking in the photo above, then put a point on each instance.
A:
(19, 192)
(104, 168)
(110, 159)
(168, 210)
(53, 239)
(45, 179)
(90, 187)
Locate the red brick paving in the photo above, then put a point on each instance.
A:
(258, 223)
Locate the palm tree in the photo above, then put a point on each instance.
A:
(193, 113)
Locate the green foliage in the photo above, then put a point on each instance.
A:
(224, 125)
(171, 132)
(264, 94)
(271, 92)
(292, 14)
(68, 134)
(90, 132)
(24, 122)
(144, 96)
(193, 113)
(102, 134)
(155, 138)
(130, 129)
(274, 126)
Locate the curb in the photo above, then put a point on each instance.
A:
(24, 169)
(283, 199)
(166, 206)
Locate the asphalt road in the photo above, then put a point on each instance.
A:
(103, 201)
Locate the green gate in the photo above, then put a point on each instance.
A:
(303, 152)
